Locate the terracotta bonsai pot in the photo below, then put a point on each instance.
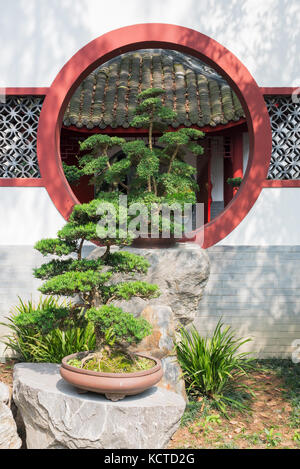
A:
(115, 386)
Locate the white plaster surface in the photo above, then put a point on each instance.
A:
(272, 221)
(40, 36)
(27, 215)
(245, 151)
(217, 169)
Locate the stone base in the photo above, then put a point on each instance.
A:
(57, 417)
(9, 438)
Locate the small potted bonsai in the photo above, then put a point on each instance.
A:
(112, 368)
(235, 184)
(148, 174)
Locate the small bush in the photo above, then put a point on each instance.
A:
(212, 367)
(30, 344)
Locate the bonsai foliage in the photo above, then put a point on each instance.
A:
(95, 284)
(234, 182)
(154, 176)
(144, 168)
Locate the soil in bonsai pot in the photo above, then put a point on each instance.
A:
(114, 363)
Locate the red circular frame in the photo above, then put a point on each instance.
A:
(165, 36)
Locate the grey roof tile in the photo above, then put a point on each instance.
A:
(109, 95)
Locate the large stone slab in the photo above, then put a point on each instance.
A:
(4, 394)
(57, 417)
(9, 438)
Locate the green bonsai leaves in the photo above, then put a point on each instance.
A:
(114, 326)
(95, 283)
(143, 167)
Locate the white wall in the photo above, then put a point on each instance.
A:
(27, 215)
(272, 221)
(39, 36)
(217, 169)
(245, 151)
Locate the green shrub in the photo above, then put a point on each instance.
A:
(212, 366)
(31, 344)
(113, 326)
(234, 182)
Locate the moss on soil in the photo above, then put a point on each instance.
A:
(115, 363)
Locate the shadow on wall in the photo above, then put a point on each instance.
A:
(264, 35)
(45, 35)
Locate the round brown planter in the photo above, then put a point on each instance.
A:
(115, 386)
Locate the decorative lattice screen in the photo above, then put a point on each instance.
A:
(19, 118)
(285, 123)
(19, 121)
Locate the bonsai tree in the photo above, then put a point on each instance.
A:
(234, 182)
(94, 284)
(147, 174)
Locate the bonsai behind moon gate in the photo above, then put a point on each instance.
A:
(147, 173)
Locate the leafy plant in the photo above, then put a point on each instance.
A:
(234, 182)
(296, 436)
(31, 345)
(209, 420)
(273, 439)
(213, 367)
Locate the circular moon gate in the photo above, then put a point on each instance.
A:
(161, 36)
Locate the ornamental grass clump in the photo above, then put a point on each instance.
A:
(30, 344)
(93, 284)
(213, 367)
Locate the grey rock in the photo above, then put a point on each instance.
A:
(160, 344)
(4, 394)
(181, 272)
(9, 438)
(57, 417)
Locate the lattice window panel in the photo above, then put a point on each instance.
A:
(285, 123)
(19, 122)
(19, 118)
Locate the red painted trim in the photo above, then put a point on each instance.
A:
(237, 157)
(165, 36)
(282, 183)
(39, 182)
(26, 91)
(132, 130)
(266, 91)
(22, 182)
(279, 91)
(209, 187)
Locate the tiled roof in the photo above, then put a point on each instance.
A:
(108, 96)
